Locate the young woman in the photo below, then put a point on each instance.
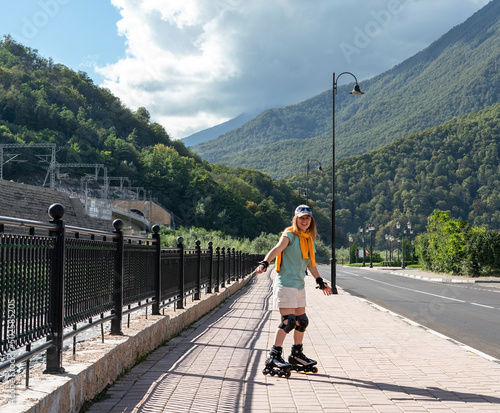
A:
(294, 254)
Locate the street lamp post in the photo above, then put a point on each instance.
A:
(403, 264)
(410, 233)
(398, 226)
(386, 245)
(389, 239)
(362, 232)
(350, 244)
(307, 176)
(356, 91)
(371, 228)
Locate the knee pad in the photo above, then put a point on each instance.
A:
(303, 322)
(292, 321)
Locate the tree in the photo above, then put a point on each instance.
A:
(143, 114)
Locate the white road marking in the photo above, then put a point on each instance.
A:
(421, 292)
(482, 305)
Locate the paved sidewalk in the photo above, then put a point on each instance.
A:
(369, 361)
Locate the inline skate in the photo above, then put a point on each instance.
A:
(275, 365)
(300, 362)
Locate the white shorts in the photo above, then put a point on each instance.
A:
(288, 297)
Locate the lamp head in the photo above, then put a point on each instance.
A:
(356, 91)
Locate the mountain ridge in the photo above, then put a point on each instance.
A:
(451, 77)
(217, 130)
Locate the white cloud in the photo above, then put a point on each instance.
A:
(196, 63)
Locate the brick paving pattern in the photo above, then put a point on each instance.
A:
(368, 361)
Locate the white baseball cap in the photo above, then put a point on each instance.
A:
(302, 210)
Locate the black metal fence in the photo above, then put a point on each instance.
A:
(75, 275)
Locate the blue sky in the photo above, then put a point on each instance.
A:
(76, 33)
(196, 63)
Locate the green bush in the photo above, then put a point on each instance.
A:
(390, 263)
(456, 247)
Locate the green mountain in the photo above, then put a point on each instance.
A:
(44, 102)
(451, 167)
(455, 75)
(217, 130)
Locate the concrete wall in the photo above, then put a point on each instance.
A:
(152, 211)
(97, 364)
(32, 202)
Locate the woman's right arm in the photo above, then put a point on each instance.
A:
(271, 255)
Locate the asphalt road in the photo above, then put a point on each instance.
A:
(468, 313)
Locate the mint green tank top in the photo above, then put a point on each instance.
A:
(293, 266)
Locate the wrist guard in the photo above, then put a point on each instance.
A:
(265, 264)
(321, 284)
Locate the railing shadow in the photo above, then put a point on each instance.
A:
(176, 361)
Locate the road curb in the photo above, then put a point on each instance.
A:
(445, 279)
(431, 331)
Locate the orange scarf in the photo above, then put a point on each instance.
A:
(306, 247)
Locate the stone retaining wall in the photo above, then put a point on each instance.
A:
(97, 365)
(32, 202)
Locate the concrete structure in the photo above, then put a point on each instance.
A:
(32, 202)
(153, 212)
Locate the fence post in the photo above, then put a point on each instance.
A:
(158, 286)
(116, 322)
(197, 295)
(217, 252)
(211, 269)
(180, 245)
(228, 250)
(242, 273)
(223, 253)
(234, 265)
(238, 265)
(54, 353)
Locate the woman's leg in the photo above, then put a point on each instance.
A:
(297, 357)
(298, 336)
(280, 336)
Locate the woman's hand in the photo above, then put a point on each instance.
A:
(323, 286)
(262, 267)
(327, 291)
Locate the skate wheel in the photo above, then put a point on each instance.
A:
(287, 374)
(265, 372)
(281, 373)
(314, 370)
(272, 372)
